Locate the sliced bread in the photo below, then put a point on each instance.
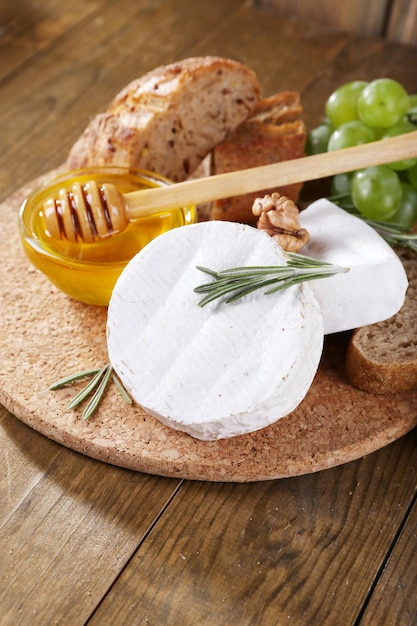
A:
(168, 120)
(274, 132)
(382, 357)
(281, 107)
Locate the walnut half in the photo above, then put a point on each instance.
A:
(278, 216)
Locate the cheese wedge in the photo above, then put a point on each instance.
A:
(374, 288)
(224, 369)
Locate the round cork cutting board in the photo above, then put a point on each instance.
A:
(44, 335)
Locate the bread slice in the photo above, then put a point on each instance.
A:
(274, 132)
(281, 107)
(169, 119)
(382, 357)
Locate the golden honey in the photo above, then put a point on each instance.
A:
(88, 271)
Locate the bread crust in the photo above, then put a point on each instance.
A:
(382, 357)
(274, 132)
(168, 120)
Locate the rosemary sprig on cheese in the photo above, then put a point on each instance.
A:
(240, 281)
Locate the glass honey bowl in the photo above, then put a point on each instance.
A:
(88, 272)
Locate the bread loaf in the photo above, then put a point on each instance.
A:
(274, 132)
(171, 118)
(382, 357)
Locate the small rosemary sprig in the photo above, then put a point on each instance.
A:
(96, 388)
(240, 281)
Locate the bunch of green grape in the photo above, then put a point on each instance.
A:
(360, 112)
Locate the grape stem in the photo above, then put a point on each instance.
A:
(394, 234)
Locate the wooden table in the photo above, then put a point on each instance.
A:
(86, 542)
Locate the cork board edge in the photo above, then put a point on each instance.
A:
(226, 469)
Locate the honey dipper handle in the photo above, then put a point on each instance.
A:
(299, 170)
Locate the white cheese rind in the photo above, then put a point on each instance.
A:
(224, 369)
(375, 286)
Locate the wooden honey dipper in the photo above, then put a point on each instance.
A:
(91, 211)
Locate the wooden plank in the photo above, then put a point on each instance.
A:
(402, 23)
(296, 551)
(394, 601)
(357, 17)
(71, 533)
(307, 547)
(24, 33)
(283, 56)
(26, 457)
(77, 77)
(394, 598)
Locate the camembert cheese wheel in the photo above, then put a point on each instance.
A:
(223, 369)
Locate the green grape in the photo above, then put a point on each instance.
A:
(412, 115)
(378, 132)
(340, 184)
(406, 214)
(376, 192)
(399, 129)
(413, 100)
(318, 138)
(350, 134)
(412, 176)
(383, 103)
(412, 109)
(341, 105)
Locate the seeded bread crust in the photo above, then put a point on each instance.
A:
(168, 120)
(382, 357)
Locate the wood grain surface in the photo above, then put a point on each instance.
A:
(87, 542)
(394, 20)
(270, 556)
